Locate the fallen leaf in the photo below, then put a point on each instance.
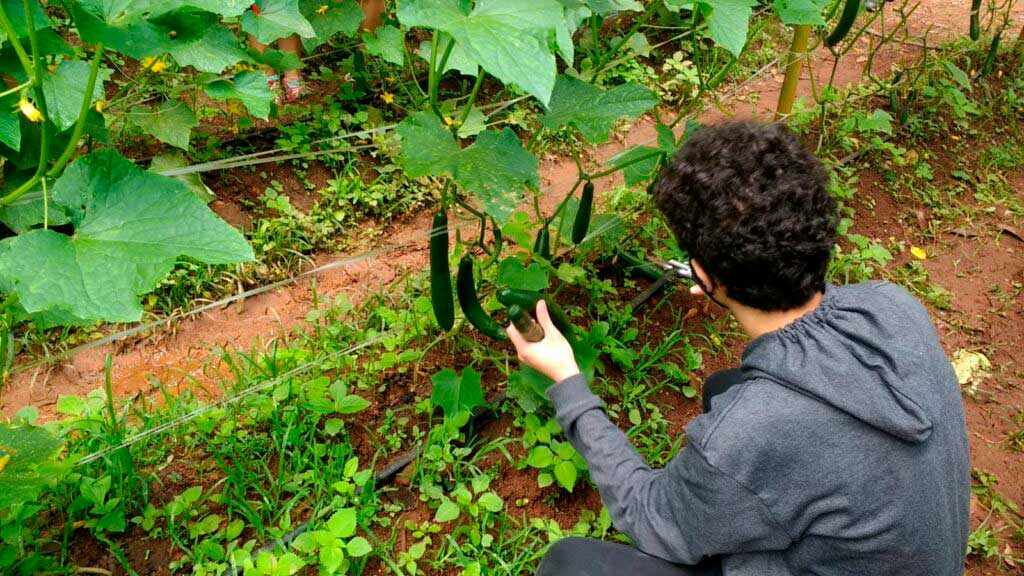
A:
(1012, 232)
(971, 368)
(918, 253)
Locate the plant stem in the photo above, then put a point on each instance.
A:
(431, 89)
(795, 62)
(472, 99)
(83, 112)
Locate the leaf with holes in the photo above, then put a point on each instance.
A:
(124, 243)
(508, 39)
(594, 111)
(454, 394)
(28, 457)
(495, 169)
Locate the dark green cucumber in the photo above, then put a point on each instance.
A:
(440, 275)
(846, 20)
(527, 300)
(634, 265)
(581, 225)
(542, 245)
(993, 51)
(465, 287)
(975, 19)
(525, 324)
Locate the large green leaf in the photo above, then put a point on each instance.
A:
(508, 39)
(28, 211)
(495, 168)
(248, 87)
(276, 19)
(728, 20)
(10, 125)
(226, 8)
(387, 42)
(171, 122)
(457, 59)
(454, 394)
(30, 455)
(796, 12)
(15, 11)
(594, 111)
(208, 46)
(637, 163)
(64, 90)
(428, 148)
(120, 25)
(342, 17)
(130, 228)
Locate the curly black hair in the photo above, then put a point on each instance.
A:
(751, 204)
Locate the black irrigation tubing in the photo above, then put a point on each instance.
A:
(383, 476)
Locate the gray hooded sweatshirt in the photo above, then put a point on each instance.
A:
(843, 452)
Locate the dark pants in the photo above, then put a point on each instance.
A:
(588, 557)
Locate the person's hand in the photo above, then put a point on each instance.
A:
(552, 356)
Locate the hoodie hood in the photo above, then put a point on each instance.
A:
(854, 354)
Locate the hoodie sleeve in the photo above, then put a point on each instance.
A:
(681, 513)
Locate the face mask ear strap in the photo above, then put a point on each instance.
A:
(708, 291)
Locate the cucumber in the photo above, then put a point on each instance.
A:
(993, 51)
(581, 225)
(525, 324)
(975, 19)
(846, 20)
(634, 265)
(527, 300)
(542, 245)
(440, 275)
(465, 287)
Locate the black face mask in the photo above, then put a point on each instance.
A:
(707, 292)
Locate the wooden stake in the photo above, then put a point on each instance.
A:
(795, 61)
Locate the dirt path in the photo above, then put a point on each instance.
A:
(182, 355)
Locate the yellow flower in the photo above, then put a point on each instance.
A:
(148, 61)
(388, 97)
(716, 340)
(158, 66)
(918, 253)
(52, 67)
(29, 110)
(100, 105)
(322, 10)
(3, 461)
(448, 120)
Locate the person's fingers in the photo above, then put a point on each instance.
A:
(515, 337)
(696, 290)
(544, 318)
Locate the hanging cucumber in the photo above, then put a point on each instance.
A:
(993, 51)
(975, 19)
(542, 245)
(527, 300)
(846, 20)
(582, 223)
(440, 275)
(634, 265)
(465, 287)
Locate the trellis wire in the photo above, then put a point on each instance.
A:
(185, 418)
